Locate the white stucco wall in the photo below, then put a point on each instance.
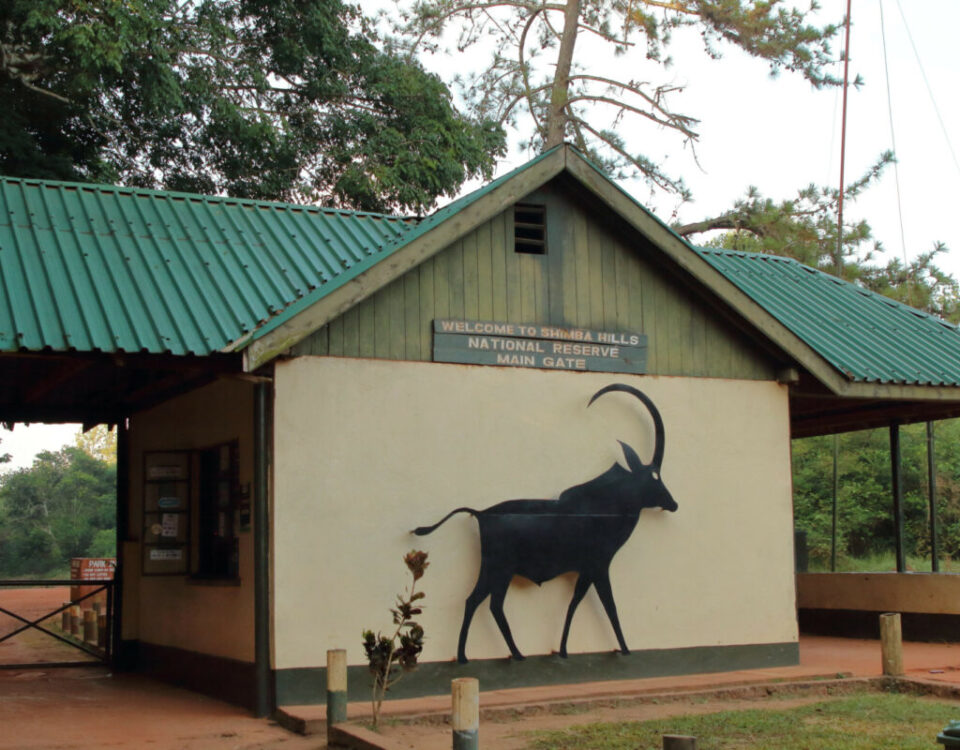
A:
(365, 450)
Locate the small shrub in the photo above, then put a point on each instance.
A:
(388, 660)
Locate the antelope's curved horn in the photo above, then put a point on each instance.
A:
(658, 431)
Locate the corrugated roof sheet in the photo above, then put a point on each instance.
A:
(95, 268)
(866, 336)
(98, 268)
(417, 230)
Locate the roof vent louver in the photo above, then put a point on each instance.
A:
(530, 229)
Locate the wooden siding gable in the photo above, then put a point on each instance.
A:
(597, 273)
(451, 224)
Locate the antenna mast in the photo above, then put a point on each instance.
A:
(838, 260)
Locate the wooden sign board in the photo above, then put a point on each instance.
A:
(548, 347)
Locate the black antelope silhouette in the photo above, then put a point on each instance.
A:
(579, 532)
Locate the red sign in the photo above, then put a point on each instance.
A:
(90, 569)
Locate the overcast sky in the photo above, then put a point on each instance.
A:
(780, 134)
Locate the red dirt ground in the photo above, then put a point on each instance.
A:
(32, 646)
(61, 709)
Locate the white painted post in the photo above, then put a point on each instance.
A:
(336, 687)
(465, 717)
(891, 644)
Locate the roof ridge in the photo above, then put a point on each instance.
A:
(750, 254)
(202, 197)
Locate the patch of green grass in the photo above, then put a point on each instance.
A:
(880, 562)
(860, 722)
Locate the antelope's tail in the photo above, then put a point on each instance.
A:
(424, 530)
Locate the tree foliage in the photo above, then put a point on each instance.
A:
(99, 442)
(807, 228)
(63, 506)
(274, 99)
(865, 518)
(539, 67)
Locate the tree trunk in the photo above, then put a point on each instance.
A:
(559, 94)
(724, 221)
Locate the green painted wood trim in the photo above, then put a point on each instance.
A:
(336, 706)
(307, 685)
(466, 739)
(262, 424)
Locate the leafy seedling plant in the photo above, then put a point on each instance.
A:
(389, 662)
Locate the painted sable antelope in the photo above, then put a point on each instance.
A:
(579, 532)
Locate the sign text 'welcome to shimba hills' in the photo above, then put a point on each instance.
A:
(473, 342)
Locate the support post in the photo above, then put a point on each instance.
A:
(896, 476)
(836, 495)
(76, 618)
(65, 618)
(336, 688)
(465, 717)
(261, 548)
(114, 644)
(679, 742)
(932, 491)
(891, 644)
(90, 626)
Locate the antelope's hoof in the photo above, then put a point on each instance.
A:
(563, 654)
(625, 652)
(518, 657)
(461, 659)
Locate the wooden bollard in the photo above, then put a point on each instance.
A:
(465, 719)
(75, 619)
(102, 630)
(891, 644)
(90, 626)
(679, 742)
(336, 687)
(65, 618)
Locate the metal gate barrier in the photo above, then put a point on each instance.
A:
(86, 628)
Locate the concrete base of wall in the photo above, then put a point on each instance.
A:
(305, 686)
(855, 623)
(226, 679)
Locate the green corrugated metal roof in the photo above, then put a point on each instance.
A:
(418, 230)
(866, 336)
(97, 268)
(94, 268)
